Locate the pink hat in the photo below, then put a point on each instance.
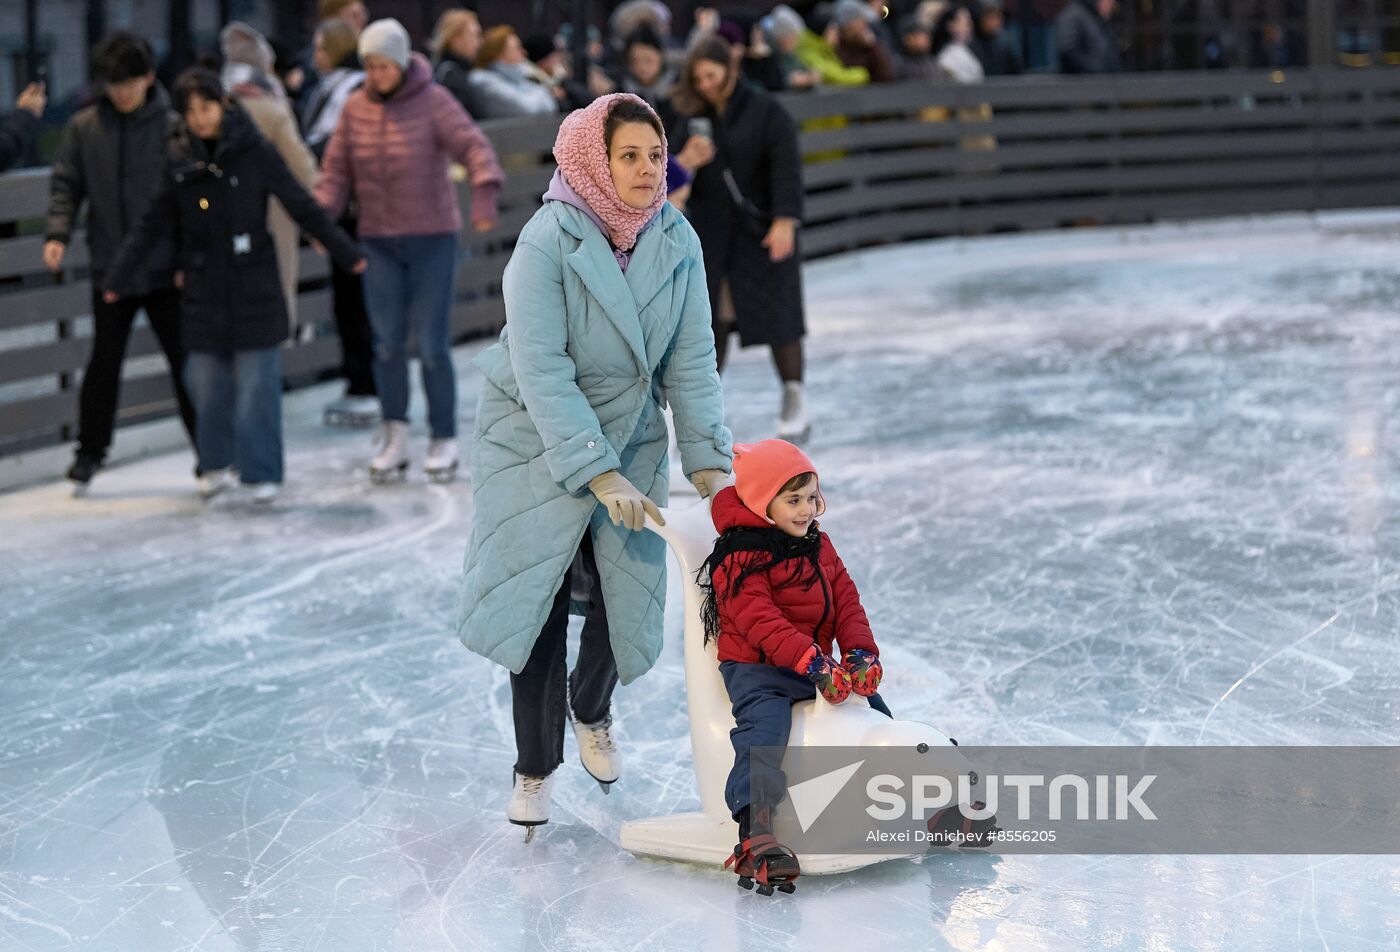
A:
(582, 153)
(761, 470)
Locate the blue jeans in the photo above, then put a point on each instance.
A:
(762, 696)
(408, 287)
(237, 397)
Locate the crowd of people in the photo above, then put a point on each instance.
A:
(196, 198)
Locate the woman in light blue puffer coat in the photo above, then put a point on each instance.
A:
(607, 322)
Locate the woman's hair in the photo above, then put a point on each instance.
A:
(711, 49)
(448, 26)
(626, 111)
(493, 44)
(196, 81)
(943, 27)
(644, 35)
(339, 40)
(327, 9)
(122, 55)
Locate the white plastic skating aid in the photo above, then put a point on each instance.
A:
(599, 753)
(391, 462)
(708, 836)
(441, 462)
(529, 803)
(793, 424)
(353, 411)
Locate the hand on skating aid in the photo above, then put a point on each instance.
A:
(833, 681)
(625, 503)
(707, 482)
(865, 669)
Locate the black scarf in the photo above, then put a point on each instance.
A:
(779, 547)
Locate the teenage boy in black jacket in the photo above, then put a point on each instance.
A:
(111, 157)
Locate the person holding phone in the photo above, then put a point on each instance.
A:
(18, 128)
(746, 205)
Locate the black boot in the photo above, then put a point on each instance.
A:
(83, 469)
(759, 857)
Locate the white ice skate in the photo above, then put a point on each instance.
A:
(391, 462)
(529, 803)
(353, 411)
(215, 481)
(600, 755)
(265, 494)
(793, 424)
(441, 462)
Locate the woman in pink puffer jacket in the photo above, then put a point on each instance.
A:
(392, 150)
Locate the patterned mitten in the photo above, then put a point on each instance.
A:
(866, 671)
(832, 681)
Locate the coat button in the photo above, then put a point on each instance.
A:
(204, 204)
(591, 444)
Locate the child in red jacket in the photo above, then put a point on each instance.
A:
(782, 605)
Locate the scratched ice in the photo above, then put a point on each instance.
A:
(1101, 486)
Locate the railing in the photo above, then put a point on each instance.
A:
(882, 164)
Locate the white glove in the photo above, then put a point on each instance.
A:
(707, 482)
(625, 503)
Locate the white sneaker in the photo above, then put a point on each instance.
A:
(215, 481)
(441, 462)
(265, 493)
(391, 462)
(599, 753)
(353, 411)
(792, 420)
(529, 803)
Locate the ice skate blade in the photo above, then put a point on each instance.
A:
(530, 827)
(382, 476)
(606, 785)
(442, 475)
(350, 421)
(795, 436)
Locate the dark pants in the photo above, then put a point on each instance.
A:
(762, 696)
(352, 325)
(538, 691)
(101, 389)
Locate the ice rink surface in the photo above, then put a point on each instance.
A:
(1098, 487)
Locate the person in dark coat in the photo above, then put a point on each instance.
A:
(18, 128)
(455, 43)
(110, 158)
(993, 48)
(219, 174)
(1084, 39)
(746, 205)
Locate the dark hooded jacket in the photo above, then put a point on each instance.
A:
(213, 206)
(113, 161)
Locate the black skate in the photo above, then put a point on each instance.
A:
(81, 473)
(763, 860)
(950, 827)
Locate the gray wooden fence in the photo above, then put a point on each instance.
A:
(881, 164)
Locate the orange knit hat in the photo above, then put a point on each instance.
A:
(762, 469)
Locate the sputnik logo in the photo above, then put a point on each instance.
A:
(810, 798)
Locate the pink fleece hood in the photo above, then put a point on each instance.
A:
(582, 154)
